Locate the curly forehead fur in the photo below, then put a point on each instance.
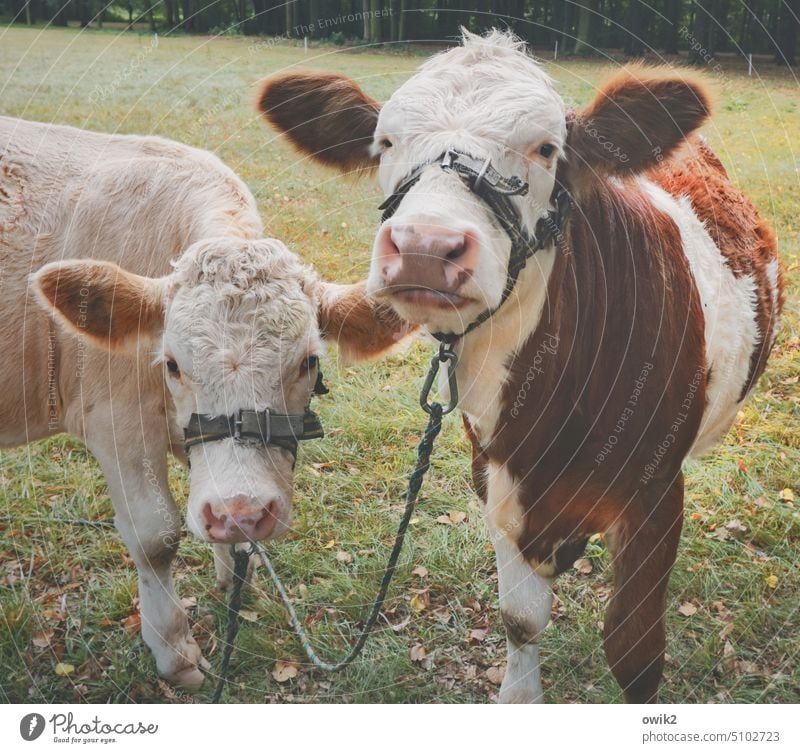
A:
(488, 91)
(262, 276)
(240, 304)
(492, 53)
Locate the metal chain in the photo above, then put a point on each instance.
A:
(424, 450)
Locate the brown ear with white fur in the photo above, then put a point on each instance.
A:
(637, 119)
(100, 301)
(362, 327)
(324, 115)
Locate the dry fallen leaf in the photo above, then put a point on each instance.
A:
(735, 525)
(771, 581)
(786, 495)
(418, 653)
(687, 609)
(727, 650)
(62, 670)
(398, 626)
(283, 671)
(583, 566)
(342, 556)
(132, 624)
(330, 544)
(495, 675)
(42, 638)
(421, 571)
(246, 614)
(418, 604)
(478, 635)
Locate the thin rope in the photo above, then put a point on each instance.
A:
(424, 451)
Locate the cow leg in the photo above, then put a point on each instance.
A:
(150, 525)
(643, 548)
(525, 601)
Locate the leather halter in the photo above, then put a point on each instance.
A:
(263, 427)
(494, 190)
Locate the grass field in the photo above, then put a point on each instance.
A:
(68, 593)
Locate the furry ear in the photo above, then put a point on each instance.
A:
(362, 327)
(325, 116)
(637, 119)
(100, 301)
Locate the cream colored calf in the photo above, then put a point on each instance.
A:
(135, 291)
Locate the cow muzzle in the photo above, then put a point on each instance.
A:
(241, 518)
(426, 261)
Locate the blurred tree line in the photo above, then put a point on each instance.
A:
(700, 28)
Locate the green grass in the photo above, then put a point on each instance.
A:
(72, 586)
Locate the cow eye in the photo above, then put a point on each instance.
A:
(309, 364)
(385, 144)
(172, 368)
(546, 150)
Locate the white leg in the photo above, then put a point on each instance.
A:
(525, 602)
(223, 564)
(150, 525)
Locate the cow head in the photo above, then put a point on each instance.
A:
(442, 258)
(236, 325)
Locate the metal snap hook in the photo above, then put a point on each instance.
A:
(446, 355)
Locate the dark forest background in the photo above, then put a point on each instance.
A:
(698, 28)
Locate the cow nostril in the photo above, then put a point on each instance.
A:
(457, 252)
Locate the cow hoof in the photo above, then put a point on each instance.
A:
(521, 695)
(187, 668)
(189, 679)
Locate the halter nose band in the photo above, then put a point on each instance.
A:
(495, 190)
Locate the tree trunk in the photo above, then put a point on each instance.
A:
(583, 40)
(366, 34)
(375, 33)
(788, 31)
(673, 25)
(636, 24)
(698, 39)
(188, 21)
(401, 26)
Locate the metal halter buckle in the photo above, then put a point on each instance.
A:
(446, 355)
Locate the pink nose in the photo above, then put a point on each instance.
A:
(240, 518)
(426, 255)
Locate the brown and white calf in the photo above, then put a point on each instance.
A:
(621, 350)
(156, 298)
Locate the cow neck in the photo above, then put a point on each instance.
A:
(485, 354)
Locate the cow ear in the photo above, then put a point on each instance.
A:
(637, 119)
(362, 327)
(101, 302)
(324, 115)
